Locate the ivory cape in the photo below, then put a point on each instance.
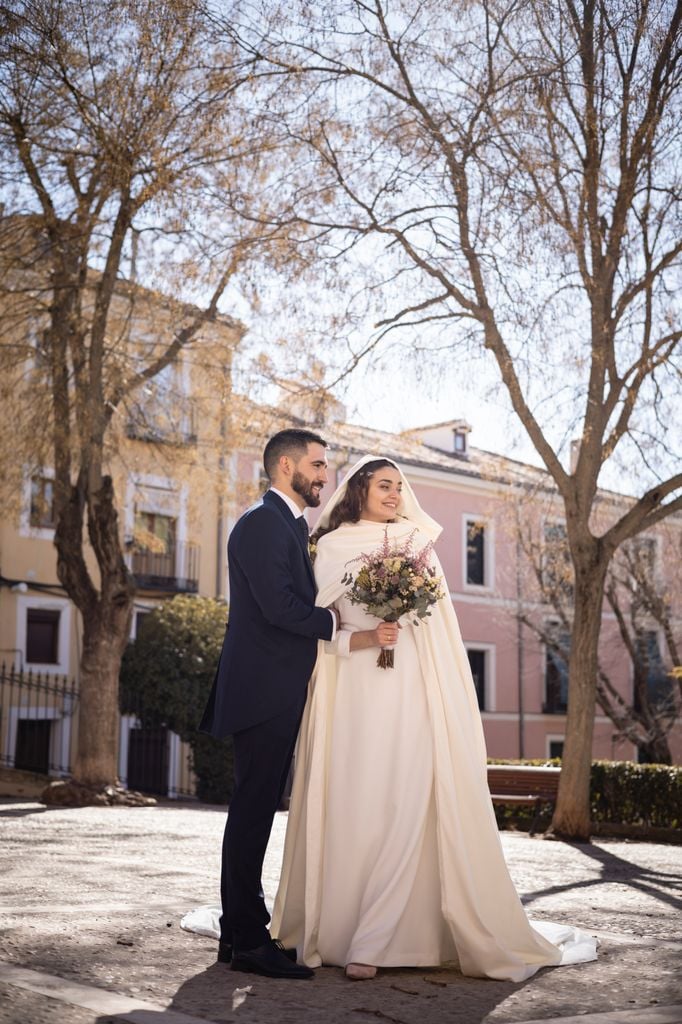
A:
(479, 903)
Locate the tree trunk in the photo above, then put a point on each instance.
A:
(572, 813)
(104, 640)
(656, 751)
(106, 611)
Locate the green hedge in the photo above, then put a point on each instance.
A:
(621, 792)
(636, 794)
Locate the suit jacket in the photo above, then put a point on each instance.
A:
(270, 645)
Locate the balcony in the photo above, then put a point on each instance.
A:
(172, 572)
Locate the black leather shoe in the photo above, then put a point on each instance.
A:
(225, 952)
(271, 961)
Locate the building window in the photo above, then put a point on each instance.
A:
(642, 551)
(460, 442)
(556, 748)
(32, 751)
(640, 561)
(38, 337)
(263, 482)
(557, 568)
(159, 561)
(475, 553)
(138, 622)
(556, 674)
(42, 503)
(478, 662)
(42, 636)
(651, 671)
(161, 409)
(154, 544)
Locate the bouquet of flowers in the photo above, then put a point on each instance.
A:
(395, 581)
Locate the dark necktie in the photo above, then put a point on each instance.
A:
(303, 527)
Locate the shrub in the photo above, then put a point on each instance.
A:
(166, 677)
(621, 792)
(636, 794)
(213, 765)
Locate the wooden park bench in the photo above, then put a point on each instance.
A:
(524, 785)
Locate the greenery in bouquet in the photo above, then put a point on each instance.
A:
(394, 581)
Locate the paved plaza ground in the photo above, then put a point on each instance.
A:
(90, 931)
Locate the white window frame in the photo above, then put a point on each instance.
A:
(25, 528)
(64, 607)
(258, 473)
(457, 434)
(490, 692)
(552, 737)
(140, 498)
(488, 552)
(140, 606)
(35, 327)
(60, 734)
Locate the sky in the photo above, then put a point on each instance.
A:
(391, 398)
(395, 390)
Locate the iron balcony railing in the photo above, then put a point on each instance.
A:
(174, 571)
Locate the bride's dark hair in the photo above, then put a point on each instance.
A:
(349, 509)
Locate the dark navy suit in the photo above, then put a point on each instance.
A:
(258, 695)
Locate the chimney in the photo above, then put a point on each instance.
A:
(575, 454)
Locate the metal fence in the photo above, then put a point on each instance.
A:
(37, 734)
(36, 721)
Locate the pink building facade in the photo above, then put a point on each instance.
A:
(522, 688)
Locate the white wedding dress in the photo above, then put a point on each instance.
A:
(392, 854)
(380, 895)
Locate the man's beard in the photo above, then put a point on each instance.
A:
(303, 486)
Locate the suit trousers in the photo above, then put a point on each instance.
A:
(262, 758)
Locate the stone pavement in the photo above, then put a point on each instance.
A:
(92, 899)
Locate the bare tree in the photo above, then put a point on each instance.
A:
(116, 134)
(505, 175)
(645, 610)
(645, 601)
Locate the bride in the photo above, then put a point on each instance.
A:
(392, 854)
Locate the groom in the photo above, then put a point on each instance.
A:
(260, 687)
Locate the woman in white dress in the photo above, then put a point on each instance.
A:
(392, 854)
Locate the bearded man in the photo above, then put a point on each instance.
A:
(260, 687)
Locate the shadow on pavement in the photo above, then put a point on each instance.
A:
(397, 996)
(21, 812)
(618, 870)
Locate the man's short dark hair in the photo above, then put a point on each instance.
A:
(288, 442)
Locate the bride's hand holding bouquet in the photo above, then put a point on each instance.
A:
(395, 581)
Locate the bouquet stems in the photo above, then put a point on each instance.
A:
(385, 659)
